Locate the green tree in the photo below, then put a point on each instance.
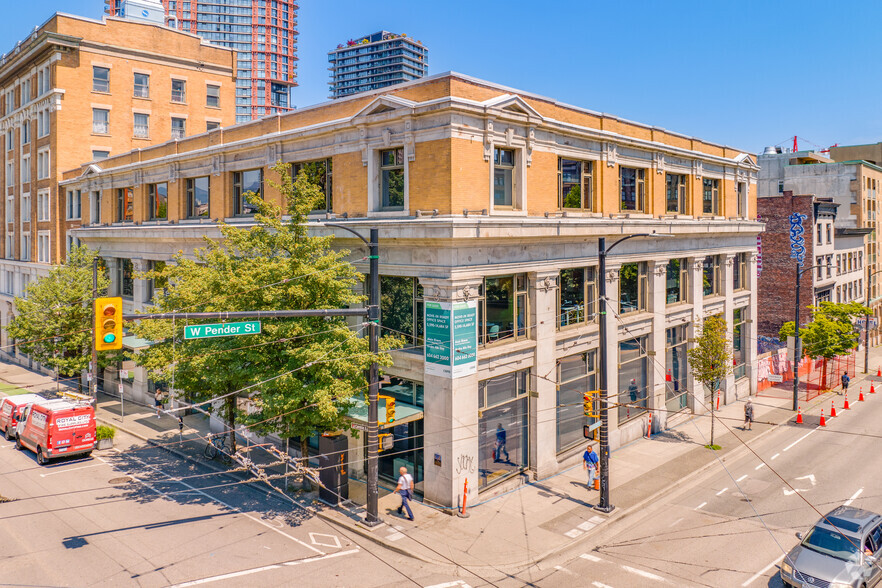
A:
(711, 358)
(298, 376)
(59, 307)
(831, 332)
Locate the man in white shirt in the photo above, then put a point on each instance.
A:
(405, 489)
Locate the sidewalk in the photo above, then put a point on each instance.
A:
(523, 525)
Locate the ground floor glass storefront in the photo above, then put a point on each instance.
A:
(632, 378)
(503, 417)
(676, 393)
(575, 376)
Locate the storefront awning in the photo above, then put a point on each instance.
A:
(404, 413)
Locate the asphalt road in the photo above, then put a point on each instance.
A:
(144, 517)
(733, 526)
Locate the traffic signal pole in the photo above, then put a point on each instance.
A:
(93, 385)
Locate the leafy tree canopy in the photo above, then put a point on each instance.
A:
(711, 357)
(831, 332)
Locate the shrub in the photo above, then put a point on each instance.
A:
(105, 432)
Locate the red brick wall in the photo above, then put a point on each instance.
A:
(777, 282)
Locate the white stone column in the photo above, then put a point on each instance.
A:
(543, 398)
(114, 288)
(657, 299)
(612, 350)
(751, 326)
(696, 296)
(140, 287)
(727, 265)
(450, 416)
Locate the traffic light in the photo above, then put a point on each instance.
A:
(390, 408)
(591, 404)
(108, 324)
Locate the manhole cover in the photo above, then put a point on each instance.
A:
(118, 481)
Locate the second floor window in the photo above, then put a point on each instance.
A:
(179, 91)
(244, 182)
(675, 282)
(741, 193)
(125, 205)
(141, 125)
(675, 193)
(574, 184)
(74, 204)
(319, 173)
(100, 121)
(212, 96)
(633, 189)
(43, 206)
(710, 198)
(178, 128)
(197, 197)
(632, 287)
(503, 177)
(711, 276)
(739, 271)
(100, 79)
(142, 86)
(157, 194)
(577, 296)
(392, 179)
(503, 311)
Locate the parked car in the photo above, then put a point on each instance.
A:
(10, 411)
(53, 428)
(842, 550)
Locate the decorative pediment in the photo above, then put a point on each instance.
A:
(511, 103)
(745, 158)
(384, 104)
(91, 170)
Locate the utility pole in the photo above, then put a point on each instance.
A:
(93, 385)
(796, 344)
(373, 495)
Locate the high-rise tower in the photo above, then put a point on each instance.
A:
(376, 61)
(264, 34)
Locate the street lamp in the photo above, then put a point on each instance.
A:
(867, 324)
(602, 252)
(372, 517)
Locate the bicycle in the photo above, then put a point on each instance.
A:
(216, 446)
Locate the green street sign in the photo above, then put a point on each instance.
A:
(221, 330)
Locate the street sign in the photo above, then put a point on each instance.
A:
(775, 378)
(221, 330)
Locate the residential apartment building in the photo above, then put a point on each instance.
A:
(852, 185)
(376, 61)
(833, 262)
(262, 32)
(78, 90)
(493, 200)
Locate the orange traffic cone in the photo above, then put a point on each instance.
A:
(832, 409)
(823, 423)
(845, 406)
(597, 482)
(798, 416)
(879, 372)
(872, 389)
(861, 395)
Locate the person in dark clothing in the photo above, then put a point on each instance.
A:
(500, 444)
(845, 381)
(748, 415)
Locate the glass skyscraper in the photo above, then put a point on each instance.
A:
(264, 35)
(376, 61)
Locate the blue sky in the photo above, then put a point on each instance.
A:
(746, 74)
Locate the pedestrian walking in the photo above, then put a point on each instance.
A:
(157, 399)
(590, 462)
(845, 381)
(748, 415)
(405, 489)
(500, 444)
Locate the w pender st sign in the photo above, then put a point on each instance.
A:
(221, 330)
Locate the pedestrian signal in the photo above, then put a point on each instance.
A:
(108, 324)
(386, 441)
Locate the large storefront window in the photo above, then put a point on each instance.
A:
(739, 342)
(675, 283)
(577, 296)
(632, 287)
(632, 378)
(503, 309)
(401, 308)
(575, 376)
(711, 275)
(503, 444)
(676, 366)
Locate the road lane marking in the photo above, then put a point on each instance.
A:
(590, 557)
(459, 583)
(221, 502)
(853, 496)
(763, 571)
(760, 466)
(741, 478)
(646, 575)
(776, 455)
(263, 569)
(675, 522)
(700, 505)
(600, 585)
(723, 490)
(800, 439)
(94, 465)
(810, 478)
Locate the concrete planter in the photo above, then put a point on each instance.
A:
(105, 443)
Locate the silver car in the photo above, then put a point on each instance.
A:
(842, 550)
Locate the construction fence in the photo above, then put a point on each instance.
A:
(816, 375)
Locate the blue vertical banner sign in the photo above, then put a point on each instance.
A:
(451, 338)
(797, 238)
